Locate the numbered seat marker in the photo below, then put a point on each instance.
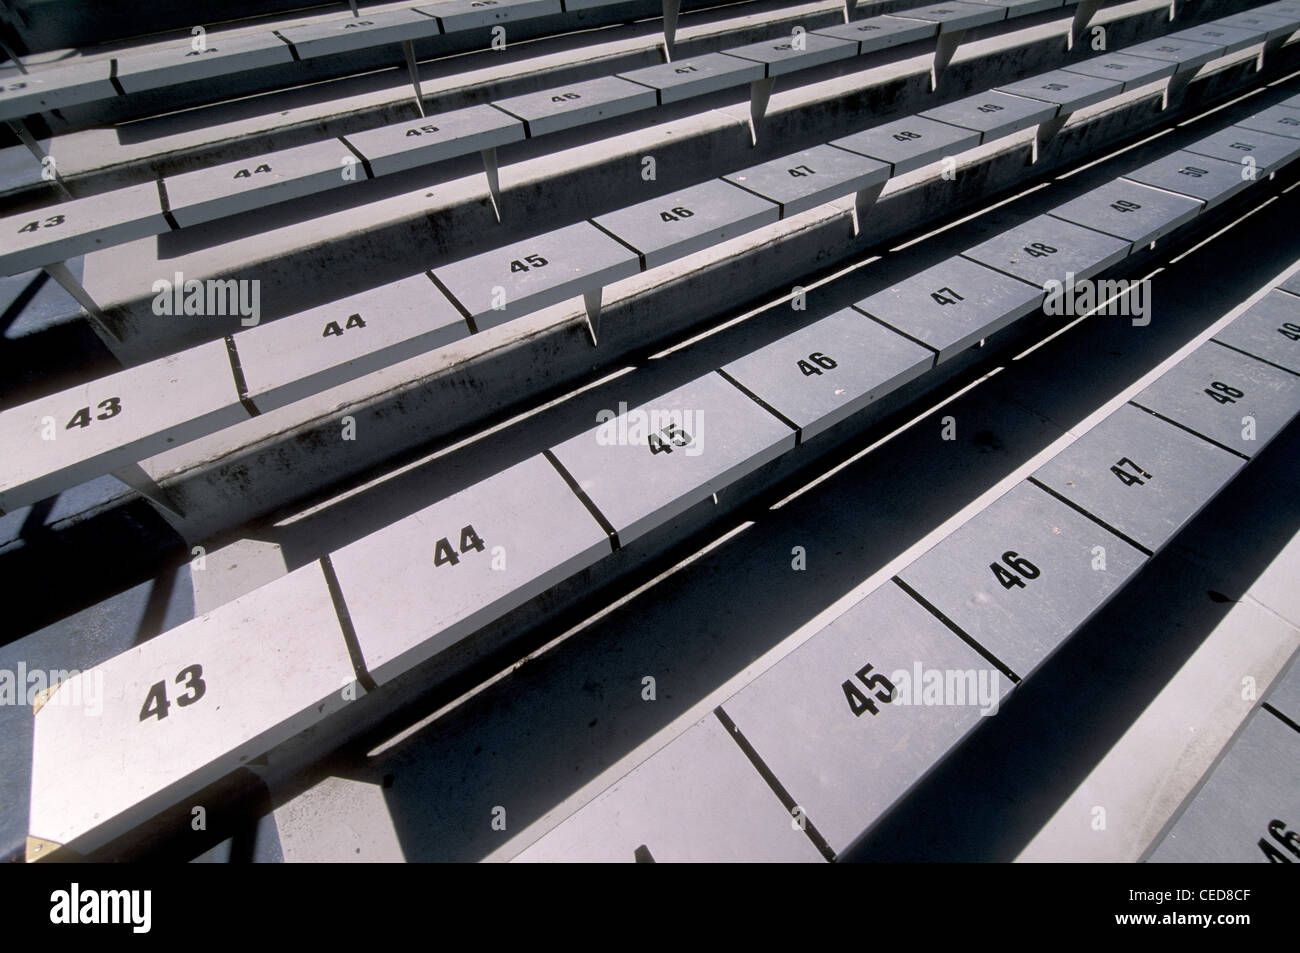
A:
(1213, 181)
(1231, 398)
(427, 581)
(956, 16)
(910, 143)
(844, 733)
(507, 282)
(878, 33)
(1022, 575)
(648, 464)
(1278, 120)
(41, 90)
(458, 132)
(303, 354)
(343, 35)
(690, 220)
(1132, 71)
(1047, 249)
(697, 800)
(1185, 54)
(562, 107)
(1024, 8)
(457, 15)
(1246, 811)
(1269, 329)
(1138, 213)
(56, 233)
(824, 373)
(133, 735)
(1140, 475)
(182, 63)
(789, 54)
(1230, 39)
(952, 305)
(1256, 152)
(1274, 25)
(682, 79)
(248, 184)
(804, 180)
(992, 114)
(1068, 91)
(83, 432)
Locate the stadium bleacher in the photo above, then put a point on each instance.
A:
(634, 403)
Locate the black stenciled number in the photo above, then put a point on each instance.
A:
(946, 296)
(687, 69)
(816, 363)
(1223, 393)
(858, 700)
(156, 704)
(800, 171)
(1039, 250)
(50, 222)
(565, 96)
(421, 130)
(1136, 478)
(671, 436)
(1015, 563)
(444, 555)
(905, 135)
(1288, 839)
(537, 261)
(109, 408)
(333, 330)
(1192, 171)
(1123, 205)
(990, 108)
(674, 214)
(1290, 331)
(244, 173)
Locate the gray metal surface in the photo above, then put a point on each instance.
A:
(697, 799)
(1136, 212)
(1069, 91)
(688, 220)
(401, 146)
(956, 16)
(782, 55)
(181, 63)
(457, 15)
(1268, 329)
(1049, 249)
(305, 353)
(1186, 54)
(976, 301)
(804, 180)
(1252, 796)
(63, 439)
(246, 184)
(650, 463)
(372, 28)
(910, 143)
(1023, 8)
(1279, 120)
(1292, 284)
(1140, 475)
(58, 232)
(1249, 389)
(878, 33)
(682, 79)
(44, 89)
(1274, 24)
(846, 770)
(233, 683)
(819, 375)
(1230, 39)
(992, 114)
(1133, 71)
(562, 107)
(1022, 625)
(421, 584)
(1233, 144)
(503, 283)
(1211, 180)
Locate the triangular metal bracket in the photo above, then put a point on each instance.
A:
(493, 178)
(1083, 14)
(591, 300)
(59, 272)
(863, 202)
(850, 7)
(671, 9)
(1047, 130)
(943, 51)
(134, 476)
(760, 94)
(408, 51)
